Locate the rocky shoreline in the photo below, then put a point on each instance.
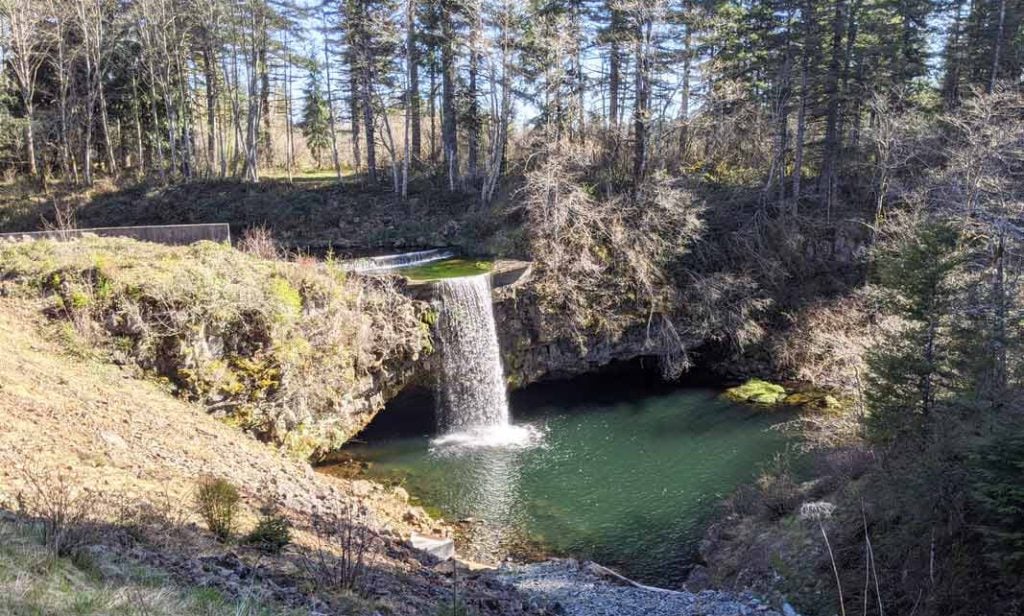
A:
(575, 588)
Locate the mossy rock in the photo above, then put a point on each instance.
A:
(757, 391)
(813, 400)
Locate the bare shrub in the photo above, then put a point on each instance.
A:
(259, 241)
(722, 307)
(847, 462)
(604, 260)
(735, 134)
(745, 501)
(158, 520)
(217, 500)
(63, 512)
(828, 343)
(64, 221)
(344, 549)
(780, 494)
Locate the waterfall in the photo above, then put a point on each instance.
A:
(471, 387)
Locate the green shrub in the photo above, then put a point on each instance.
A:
(997, 489)
(272, 533)
(217, 500)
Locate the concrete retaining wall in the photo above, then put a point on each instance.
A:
(160, 234)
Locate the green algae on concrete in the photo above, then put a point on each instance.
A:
(448, 268)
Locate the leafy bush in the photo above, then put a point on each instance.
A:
(217, 500)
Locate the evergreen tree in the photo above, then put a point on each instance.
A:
(316, 118)
(917, 284)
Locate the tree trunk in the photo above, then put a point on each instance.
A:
(449, 126)
(473, 128)
(684, 103)
(368, 119)
(998, 379)
(830, 149)
(141, 164)
(288, 130)
(777, 167)
(642, 99)
(265, 138)
(30, 139)
(354, 107)
(210, 74)
(500, 135)
(330, 109)
(433, 114)
(997, 47)
(614, 65)
(414, 83)
(954, 60)
(801, 121)
(105, 124)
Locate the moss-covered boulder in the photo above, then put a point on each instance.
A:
(757, 391)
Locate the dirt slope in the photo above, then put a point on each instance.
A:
(67, 414)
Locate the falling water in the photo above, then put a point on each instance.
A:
(472, 382)
(472, 401)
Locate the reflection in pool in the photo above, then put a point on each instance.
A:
(626, 475)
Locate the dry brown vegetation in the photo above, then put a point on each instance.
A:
(603, 262)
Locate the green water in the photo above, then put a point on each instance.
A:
(447, 268)
(628, 480)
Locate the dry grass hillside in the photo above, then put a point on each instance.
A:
(98, 478)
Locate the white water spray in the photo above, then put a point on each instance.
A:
(472, 400)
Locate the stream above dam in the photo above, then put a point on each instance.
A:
(624, 470)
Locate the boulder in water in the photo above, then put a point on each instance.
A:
(757, 391)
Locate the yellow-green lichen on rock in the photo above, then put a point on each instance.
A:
(757, 391)
(814, 400)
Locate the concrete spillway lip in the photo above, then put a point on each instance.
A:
(387, 264)
(504, 273)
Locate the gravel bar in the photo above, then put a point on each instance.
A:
(585, 589)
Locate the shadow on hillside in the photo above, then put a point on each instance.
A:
(316, 213)
(340, 567)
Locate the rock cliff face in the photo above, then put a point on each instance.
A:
(536, 346)
(297, 353)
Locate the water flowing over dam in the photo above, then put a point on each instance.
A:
(471, 382)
